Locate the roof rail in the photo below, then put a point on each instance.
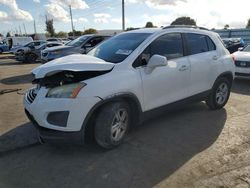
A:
(184, 26)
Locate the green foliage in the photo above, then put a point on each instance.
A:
(61, 34)
(248, 24)
(131, 28)
(90, 31)
(226, 26)
(184, 21)
(8, 34)
(149, 25)
(50, 27)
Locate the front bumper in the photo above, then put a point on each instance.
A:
(242, 72)
(40, 108)
(50, 135)
(50, 57)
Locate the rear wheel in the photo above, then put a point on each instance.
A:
(112, 124)
(220, 94)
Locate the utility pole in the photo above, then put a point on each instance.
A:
(123, 16)
(35, 26)
(24, 29)
(20, 31)
(70, 11)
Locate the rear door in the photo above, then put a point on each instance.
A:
(203, 59)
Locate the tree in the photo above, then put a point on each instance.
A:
(131, 28)
(226, 26)
(77, 33)
(1, 35)
(49, 27)
(8, 34)
(184, 21)
(149, 25)
(90, 31)
(61, 34)
(248, 24)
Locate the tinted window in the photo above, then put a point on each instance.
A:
(78, 42)
(118, 48)
(169, 45)
(94, 41)
(196, 43)
(210, 43)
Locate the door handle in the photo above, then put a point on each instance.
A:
(183, 68)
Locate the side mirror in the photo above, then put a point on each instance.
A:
(156, 61)
(240, 49)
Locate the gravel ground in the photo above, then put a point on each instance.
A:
(190, 147)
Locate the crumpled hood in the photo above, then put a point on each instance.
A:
(242, 56)
(76, 62)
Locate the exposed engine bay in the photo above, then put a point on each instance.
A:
(67, 77)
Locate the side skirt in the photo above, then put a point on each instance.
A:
(175, 105)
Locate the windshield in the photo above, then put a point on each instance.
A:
(78, 42)
(118, 48)
(247, 49)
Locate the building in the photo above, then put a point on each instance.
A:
(235, 33)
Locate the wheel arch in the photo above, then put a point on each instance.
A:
(228, 75)
(129, 98)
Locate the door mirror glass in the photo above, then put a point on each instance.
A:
(156, 61)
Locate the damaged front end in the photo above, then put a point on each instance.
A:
(67, 77)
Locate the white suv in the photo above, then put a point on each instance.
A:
(125, 79)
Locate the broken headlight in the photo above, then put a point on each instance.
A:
(66, 91)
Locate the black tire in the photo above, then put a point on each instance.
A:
(31, 58)
(1, 50)
(218, 97)
(108, 134)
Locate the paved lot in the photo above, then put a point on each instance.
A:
(191, 147)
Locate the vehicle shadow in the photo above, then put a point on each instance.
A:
(21, 79)
(18, 138)
(151, 153)
(17, 63)
(241, 86)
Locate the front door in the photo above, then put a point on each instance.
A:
(169, 83)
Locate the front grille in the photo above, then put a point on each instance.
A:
(44, 54)
(244, 64)
(31, 95)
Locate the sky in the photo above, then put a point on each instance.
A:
(106, 14)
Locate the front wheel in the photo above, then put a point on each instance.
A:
(31, 58)
(112, 124)
(220, 94)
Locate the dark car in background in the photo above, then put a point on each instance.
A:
(26, 47)
(80, 45)
(32, 54)
(233, 44)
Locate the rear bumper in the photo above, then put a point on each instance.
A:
(56, 136)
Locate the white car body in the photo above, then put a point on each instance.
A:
(182, 78)
(242, 64)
